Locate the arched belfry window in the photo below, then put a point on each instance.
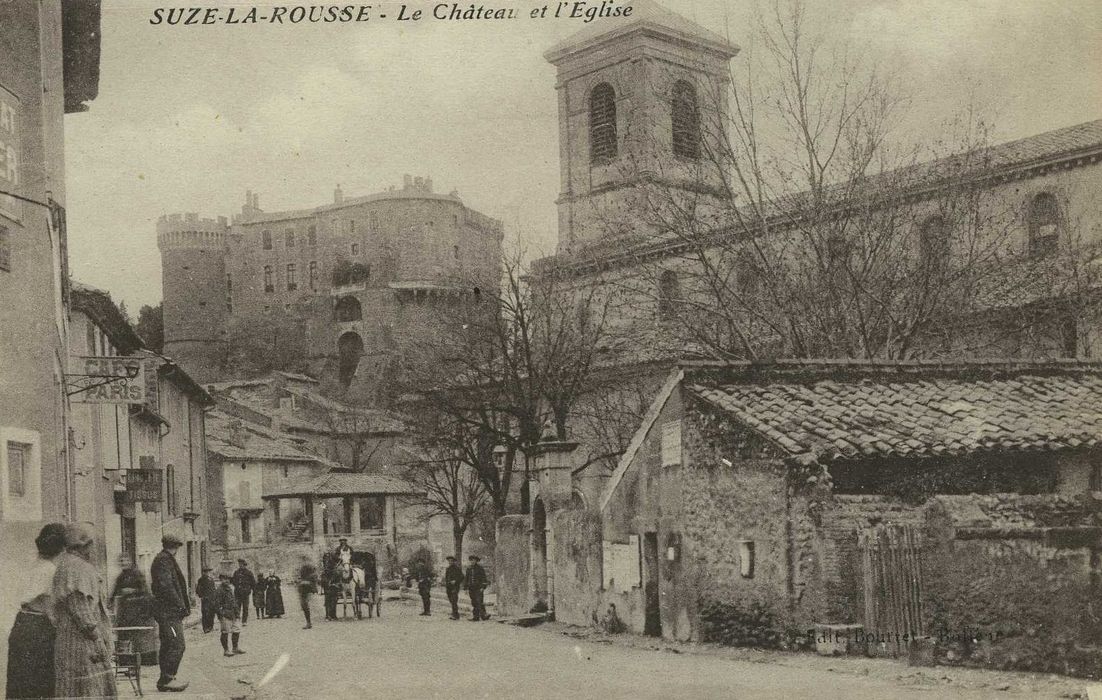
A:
(1044, 224)
(669, 295)
(685, 120)
(934, 243)
(602, 123)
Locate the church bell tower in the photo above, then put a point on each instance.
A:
(641, 100)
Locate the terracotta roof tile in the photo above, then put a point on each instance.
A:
(830, 419)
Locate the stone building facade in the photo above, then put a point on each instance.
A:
(363, 276)
(770, 504)
(49, 68)
(627, 124)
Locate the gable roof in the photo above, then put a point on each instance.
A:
(236, 439)
(345, 484)
(827, 412)
(655, 410)
(98, 306)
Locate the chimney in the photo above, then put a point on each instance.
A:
(419, 183)
(256, 201)
(338, 195)
(428, 185)
(407, 182)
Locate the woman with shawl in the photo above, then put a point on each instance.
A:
(274, 598)
(82, 652)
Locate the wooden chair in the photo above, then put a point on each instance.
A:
(128, 660)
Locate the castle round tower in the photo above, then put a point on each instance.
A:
(194, 289)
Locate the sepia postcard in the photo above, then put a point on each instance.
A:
(543, 349)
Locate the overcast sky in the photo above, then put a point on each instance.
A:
(188, 118)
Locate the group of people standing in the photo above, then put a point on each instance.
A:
(61, 644)
(474, 579)
(228, 601)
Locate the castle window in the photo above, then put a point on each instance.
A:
(1044, 224)
(686, 121)
(290, 237)
(5, 249)
(266, 240)
(373, 222)
(351, 225)
(602, 123)
(313, 275)
(229, 283)
(268, 286)
(455, 252)
(292, 282)
(348, 309)
(934, 243)
(669, 294)
(355, 248)
(312, 235)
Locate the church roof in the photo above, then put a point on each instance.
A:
(645, 14)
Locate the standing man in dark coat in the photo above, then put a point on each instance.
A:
(424, 577)
(307, 586)
(476, 582)
(243, 584)
(453, 582)
(207, 590)
(171, 605)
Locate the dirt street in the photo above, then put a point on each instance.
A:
(407, 655)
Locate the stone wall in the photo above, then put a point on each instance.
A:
(575, 560)
(512, 574)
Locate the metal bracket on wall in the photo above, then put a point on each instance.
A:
(80, 383)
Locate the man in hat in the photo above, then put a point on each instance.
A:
(476, 581)
(453, 582)
(243, 584)
(344, 552)
(171, 605)
(207, 591)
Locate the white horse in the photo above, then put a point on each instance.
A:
(352, 581)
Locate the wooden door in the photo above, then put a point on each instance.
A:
(892, 558)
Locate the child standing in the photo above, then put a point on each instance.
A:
(229, 618)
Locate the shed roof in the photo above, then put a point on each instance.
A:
(345, 484)
(851, 411)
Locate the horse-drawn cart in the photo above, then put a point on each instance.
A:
(359, 583)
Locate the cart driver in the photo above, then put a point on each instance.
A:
(344, 552)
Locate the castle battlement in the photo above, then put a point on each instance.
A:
(189, 231)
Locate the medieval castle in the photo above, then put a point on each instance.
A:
(361, 275)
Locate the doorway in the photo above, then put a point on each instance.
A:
(652, 625)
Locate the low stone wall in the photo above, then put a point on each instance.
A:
(512, 572)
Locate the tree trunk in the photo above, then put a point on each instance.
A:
(457, 540)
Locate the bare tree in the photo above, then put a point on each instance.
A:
(794, 224)
(441, 468)
(357, 433)
(505, 362)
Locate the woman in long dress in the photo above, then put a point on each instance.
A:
(82, 653)
(275, 596)
(31, 642)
